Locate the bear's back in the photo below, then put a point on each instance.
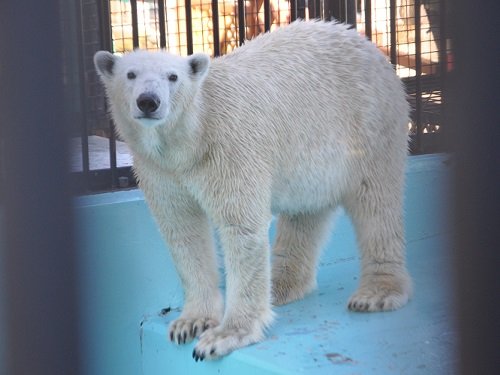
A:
(309, 84)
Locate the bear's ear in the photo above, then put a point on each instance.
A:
(104, 63)
(198, 65)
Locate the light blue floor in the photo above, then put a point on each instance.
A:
(318, 335)
(127, 276)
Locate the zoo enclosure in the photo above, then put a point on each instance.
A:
(411, 33)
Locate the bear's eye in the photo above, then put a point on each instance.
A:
(131, 75)
(172, 77)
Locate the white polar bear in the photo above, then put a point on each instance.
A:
(293, 123)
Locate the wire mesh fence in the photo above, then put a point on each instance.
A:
(411, 33)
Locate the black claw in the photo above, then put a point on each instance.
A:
(194, 331)
(179, 339)
(184, 337)
(212, 352)
(205, 326)
(171, 336)
(198, 357)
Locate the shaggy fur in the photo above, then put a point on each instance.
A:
(294, 123)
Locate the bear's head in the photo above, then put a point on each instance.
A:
(150, 88)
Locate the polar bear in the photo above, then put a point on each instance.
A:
(293, 123)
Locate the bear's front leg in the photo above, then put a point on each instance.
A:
(192, 249)
(187, 231)
(248, 308)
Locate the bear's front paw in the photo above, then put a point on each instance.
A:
(183, 331)
(220, 341)
(381, 293)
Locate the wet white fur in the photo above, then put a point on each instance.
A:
(293, 123)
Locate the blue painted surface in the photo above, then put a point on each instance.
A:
(125, 272)
(318, 335)
(127, 277)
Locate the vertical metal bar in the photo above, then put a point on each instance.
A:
(85, 153)
(104, 14)
(189, 27)
(162, 23)
(368, 19)
(106, 44)
(112, 138)
(267, 15)
(329, 9)
(311, 4)
(393, 32)
(135, 24)
(112, 159)
(83, 99)
(443, 62)
(301, 9)
(38, 253)
(241, 21)
(418, 76)
(215, 23)
(293, 10)
(351, 12)
(443, 32)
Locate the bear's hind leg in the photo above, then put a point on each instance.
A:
(296, 251)
(376, 212)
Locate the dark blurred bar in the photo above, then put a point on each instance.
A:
(473, 124)
(39, 254)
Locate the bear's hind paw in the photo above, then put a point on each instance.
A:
(381, 293)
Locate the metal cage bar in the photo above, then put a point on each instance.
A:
(293, 10)
(215, 22)
(368, 19)
(393, 32)
(241, 22)
(418, 76)
(189, 27)
(162, 23)
(135, 23)
(267, 15)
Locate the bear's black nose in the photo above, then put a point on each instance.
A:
(148, 103)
